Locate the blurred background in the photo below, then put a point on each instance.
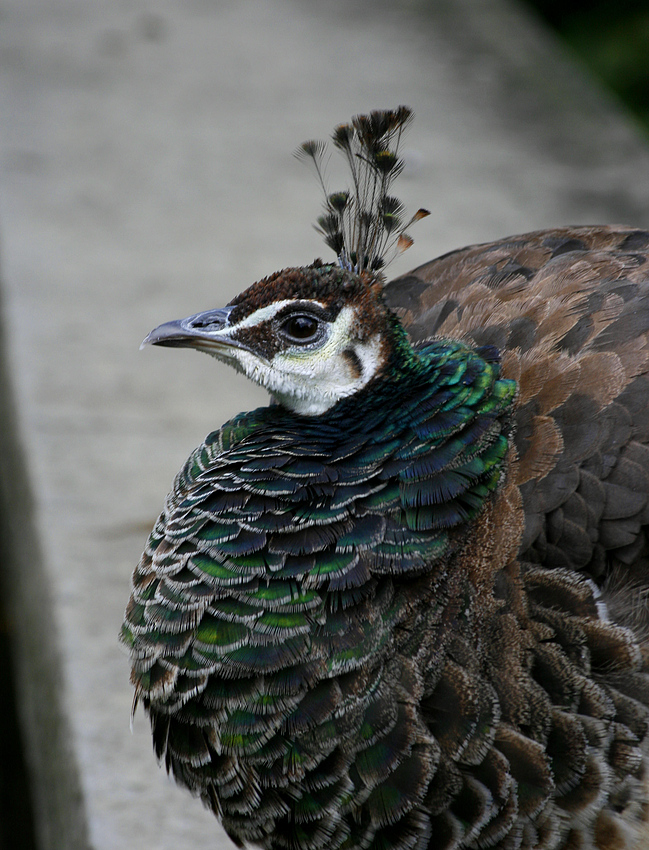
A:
(146, 173)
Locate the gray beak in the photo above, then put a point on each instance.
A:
(192, 332)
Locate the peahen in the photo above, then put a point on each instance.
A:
(406, 605)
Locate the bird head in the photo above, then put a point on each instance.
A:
(315, 335)
(310, 336)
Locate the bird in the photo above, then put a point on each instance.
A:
(405, 605)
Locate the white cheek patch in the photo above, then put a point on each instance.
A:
(311, 381)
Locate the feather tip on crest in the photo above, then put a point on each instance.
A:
(364, 225)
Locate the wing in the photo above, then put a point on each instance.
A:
(569, 311)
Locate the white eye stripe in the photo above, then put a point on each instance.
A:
(263, 314)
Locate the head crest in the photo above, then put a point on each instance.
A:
(364, 223)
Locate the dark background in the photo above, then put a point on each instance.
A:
(611, 37)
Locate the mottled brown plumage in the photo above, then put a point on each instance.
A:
(569, 310)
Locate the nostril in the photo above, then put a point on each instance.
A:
(210, 319)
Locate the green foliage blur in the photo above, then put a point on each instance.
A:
(612, 38)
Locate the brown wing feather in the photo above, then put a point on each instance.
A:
(569, 311)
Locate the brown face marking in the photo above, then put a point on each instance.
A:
(331, 286)
(354, 362)
(266, 338)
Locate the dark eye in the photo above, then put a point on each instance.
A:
(301, 328)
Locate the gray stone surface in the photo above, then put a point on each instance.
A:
(146, 174)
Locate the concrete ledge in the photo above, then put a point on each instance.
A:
(57, 797)
(147, 173)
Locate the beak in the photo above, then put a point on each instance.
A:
(201, 331)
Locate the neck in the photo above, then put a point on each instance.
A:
(431, 435)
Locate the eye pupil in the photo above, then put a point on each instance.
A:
(300, 327)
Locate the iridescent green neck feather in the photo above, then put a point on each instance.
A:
(274, 575)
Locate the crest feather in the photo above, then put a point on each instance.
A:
(364, 223)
